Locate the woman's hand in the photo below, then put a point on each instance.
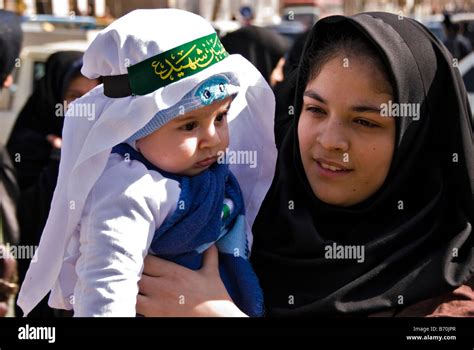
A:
(168, 289)
(54, 140)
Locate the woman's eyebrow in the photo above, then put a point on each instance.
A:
(314, 95)
(363, 108)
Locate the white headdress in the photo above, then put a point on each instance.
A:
(138, 56)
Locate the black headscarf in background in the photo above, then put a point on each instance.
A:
(38, 169)
(285, 90)
(413, 254)
(38, 117)
(293, 56)
(261, 46)
(11, 38)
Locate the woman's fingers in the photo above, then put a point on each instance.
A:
(155, 266)
(168, 289)
(144, 307)
(148, 284)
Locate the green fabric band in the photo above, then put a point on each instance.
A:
(175, 64)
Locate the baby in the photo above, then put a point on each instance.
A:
(152, 182)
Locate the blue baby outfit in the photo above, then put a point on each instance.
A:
(197, 223)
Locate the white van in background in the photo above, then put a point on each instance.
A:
(43, 35)
(29, 69)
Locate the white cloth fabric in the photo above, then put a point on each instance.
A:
(125, 207)
(87, 143)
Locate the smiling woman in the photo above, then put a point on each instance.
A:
(351, 177)
(346, 145)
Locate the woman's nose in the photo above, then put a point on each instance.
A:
(332, 135)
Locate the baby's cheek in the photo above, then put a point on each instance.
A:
(188, 146)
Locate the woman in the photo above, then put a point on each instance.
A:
(371, 208)
(29, 144)
(35, 144)
(261, 46)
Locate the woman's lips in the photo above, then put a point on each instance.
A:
(206, 162)
(330, 169)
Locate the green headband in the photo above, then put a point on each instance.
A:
(167, 67)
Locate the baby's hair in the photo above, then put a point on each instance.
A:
(346, 43)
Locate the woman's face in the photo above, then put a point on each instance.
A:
(346, 145)
(78, 87)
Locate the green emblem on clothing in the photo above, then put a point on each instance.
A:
(227, 208)
(175, 64)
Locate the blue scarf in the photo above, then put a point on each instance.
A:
(196, 224)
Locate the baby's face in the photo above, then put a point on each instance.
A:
(346, 145)
(189, 144)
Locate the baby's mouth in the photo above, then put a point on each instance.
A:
(206, 162)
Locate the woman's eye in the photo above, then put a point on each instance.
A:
(315, 110)
(221, 117)
(366, 123)
(189, 126)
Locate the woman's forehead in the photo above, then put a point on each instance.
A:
(357, 79)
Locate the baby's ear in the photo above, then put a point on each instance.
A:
(137, 145)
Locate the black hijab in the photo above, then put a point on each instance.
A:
(10, 43)
(39, 112)
(38, 117)
(261, 46)
(411, 254)
(293, 56)
(285, 90)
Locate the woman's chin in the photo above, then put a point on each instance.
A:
(337, 198)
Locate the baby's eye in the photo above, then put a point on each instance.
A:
(366, 123)
(189, 126)
(221, 117)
